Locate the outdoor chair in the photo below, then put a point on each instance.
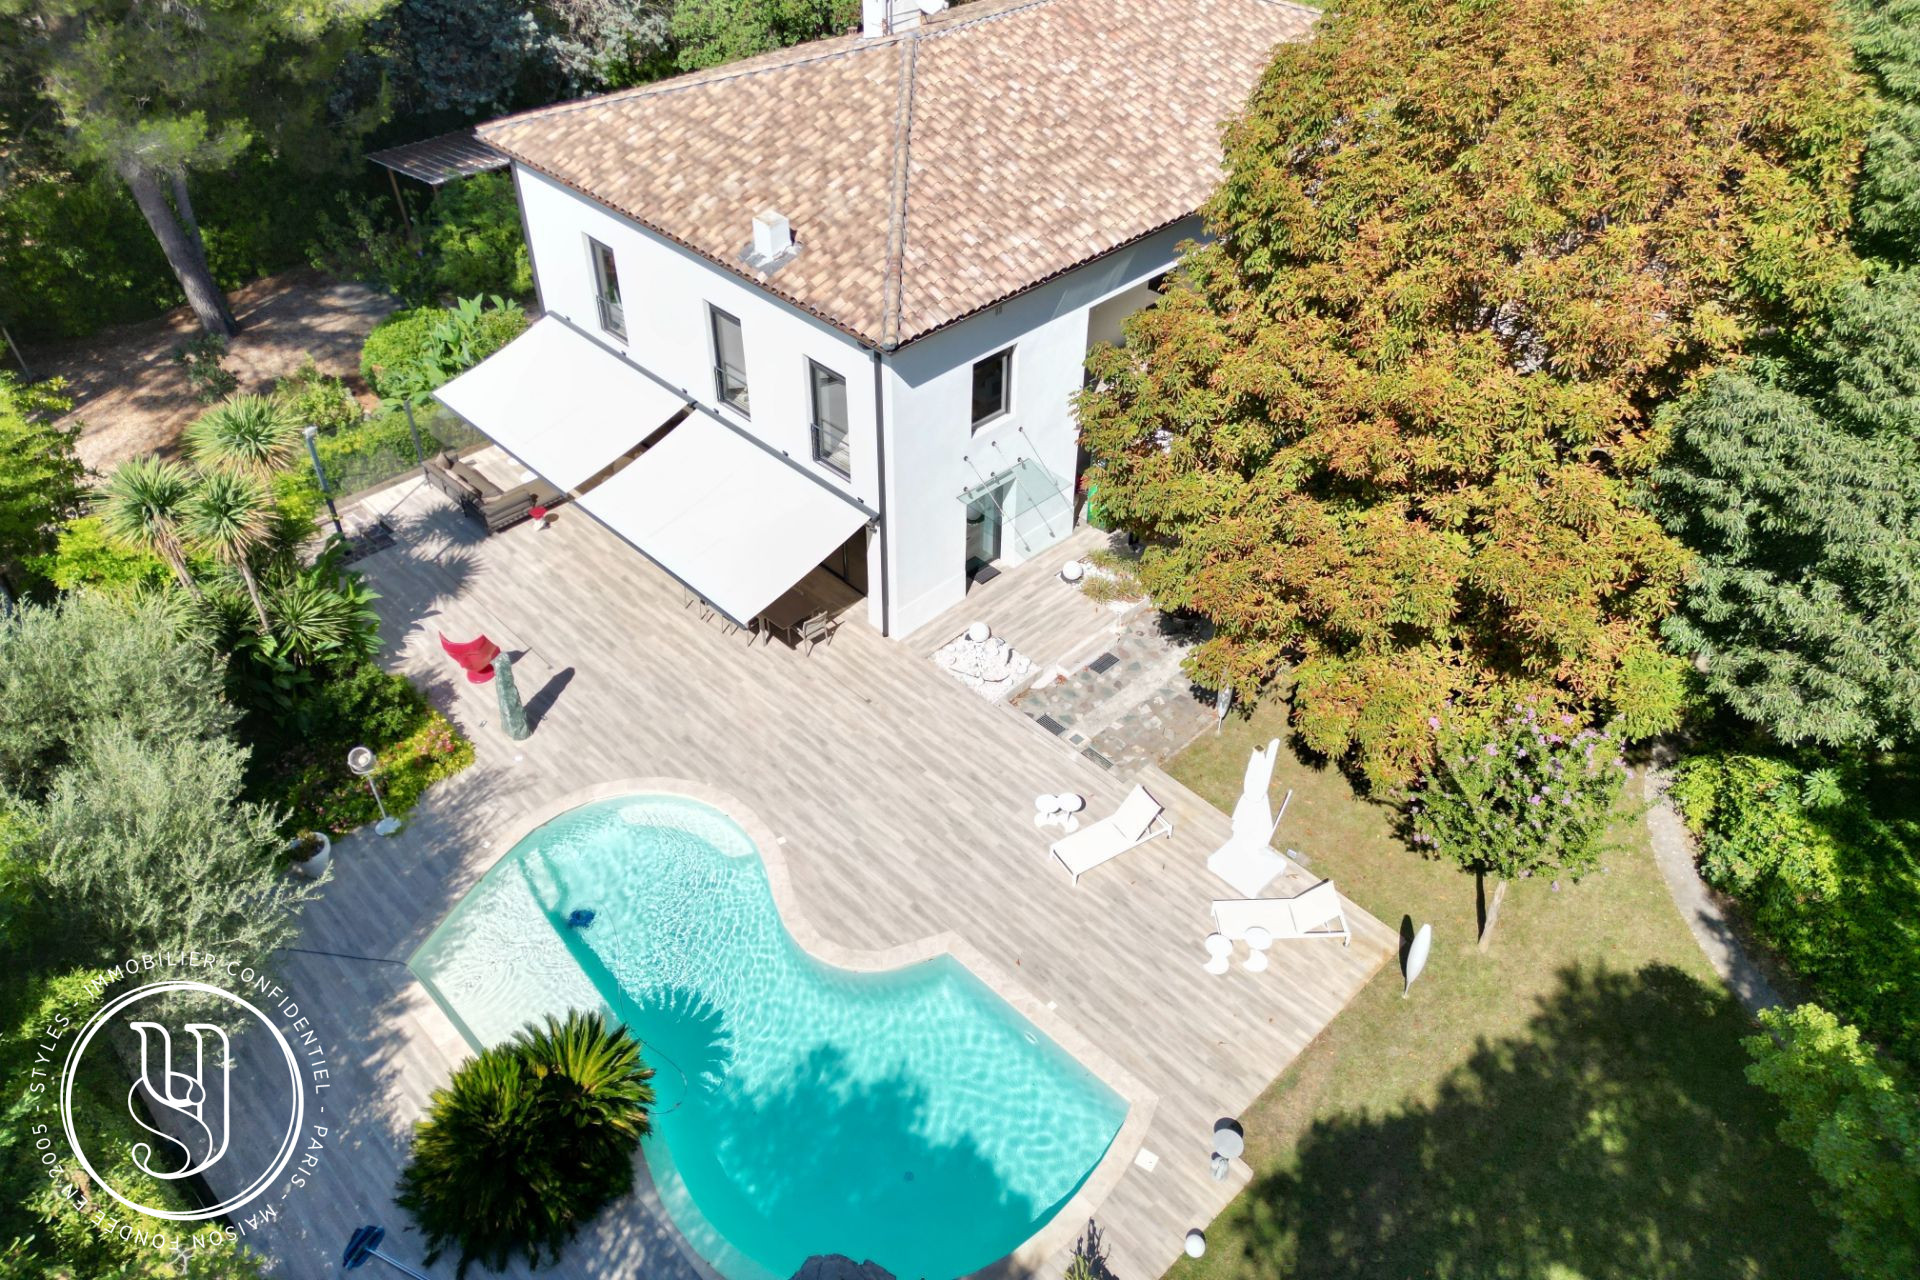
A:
(475, 657)
(815, 630)
(1138, 820)
(1313, 914)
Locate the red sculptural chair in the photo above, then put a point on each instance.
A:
(475, 656)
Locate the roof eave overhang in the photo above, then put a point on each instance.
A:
(863, 339)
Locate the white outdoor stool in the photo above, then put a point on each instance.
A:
(1046, 810)
(1258, 940)
(1219, 953)
(1070, 806)
(1229, 1142)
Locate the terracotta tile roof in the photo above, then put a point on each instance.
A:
(931, 174)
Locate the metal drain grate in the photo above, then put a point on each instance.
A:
(1104, 663)
(1050, 724)
(1096, 757)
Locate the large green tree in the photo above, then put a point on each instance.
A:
(1859, 1123)
(145, 845)
(709, 32)
(96, 659)
(1804, 609)
(116, 763)
(1796, 480)
(1389, 427)
(1887, 36)
(155, 91)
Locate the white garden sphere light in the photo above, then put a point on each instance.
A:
(979, 633)
(1072, 571)
(1196, 1243)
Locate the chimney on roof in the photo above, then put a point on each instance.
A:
(772, 236)
(891, 17)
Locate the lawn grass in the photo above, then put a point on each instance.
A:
(1570, 1105)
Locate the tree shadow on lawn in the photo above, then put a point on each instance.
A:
(1616, 1139)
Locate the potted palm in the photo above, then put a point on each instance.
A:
(310, 851)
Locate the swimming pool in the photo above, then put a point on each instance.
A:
(910, 1117)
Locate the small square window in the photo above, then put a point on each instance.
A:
(606, 289)
(729, 360)
(992, 386)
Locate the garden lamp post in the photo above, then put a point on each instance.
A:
(364, 1244)
(363, 762)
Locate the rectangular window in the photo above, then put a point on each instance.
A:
(729, 360)
(606, 289)
(829, 392)
(992, 385)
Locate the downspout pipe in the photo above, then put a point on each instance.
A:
(880, 500)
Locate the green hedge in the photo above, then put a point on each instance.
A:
(1826, 860)
(401, 339)
(414, 340)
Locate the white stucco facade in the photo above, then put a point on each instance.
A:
(915, 456)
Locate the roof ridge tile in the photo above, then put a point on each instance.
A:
(893, 284)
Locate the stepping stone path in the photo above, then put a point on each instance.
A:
(1132, 705)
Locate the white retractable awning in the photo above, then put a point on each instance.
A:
(560, 402)
(729, 519)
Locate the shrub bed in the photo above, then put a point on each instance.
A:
(307, 775)
(1825, 859)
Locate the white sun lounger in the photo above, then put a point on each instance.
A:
(1247, 865)
(1313, 914)
(1137, 820)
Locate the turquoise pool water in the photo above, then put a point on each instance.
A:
(910, 1117)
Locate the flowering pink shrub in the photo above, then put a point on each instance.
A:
(1527, 792)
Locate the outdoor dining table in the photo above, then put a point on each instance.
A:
(786, 614)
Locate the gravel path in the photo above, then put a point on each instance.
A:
(132, 399)
(1702, 908)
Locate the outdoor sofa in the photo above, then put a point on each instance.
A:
(481, 498)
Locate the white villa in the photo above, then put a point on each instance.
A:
(824, 311)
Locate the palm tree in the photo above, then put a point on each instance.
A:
(255, 435)
(144, 502)
(230, 516)
(528, 1142)
(590, 1074)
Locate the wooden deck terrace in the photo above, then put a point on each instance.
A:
(902, 804)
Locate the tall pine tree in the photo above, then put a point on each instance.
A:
(155, 91)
